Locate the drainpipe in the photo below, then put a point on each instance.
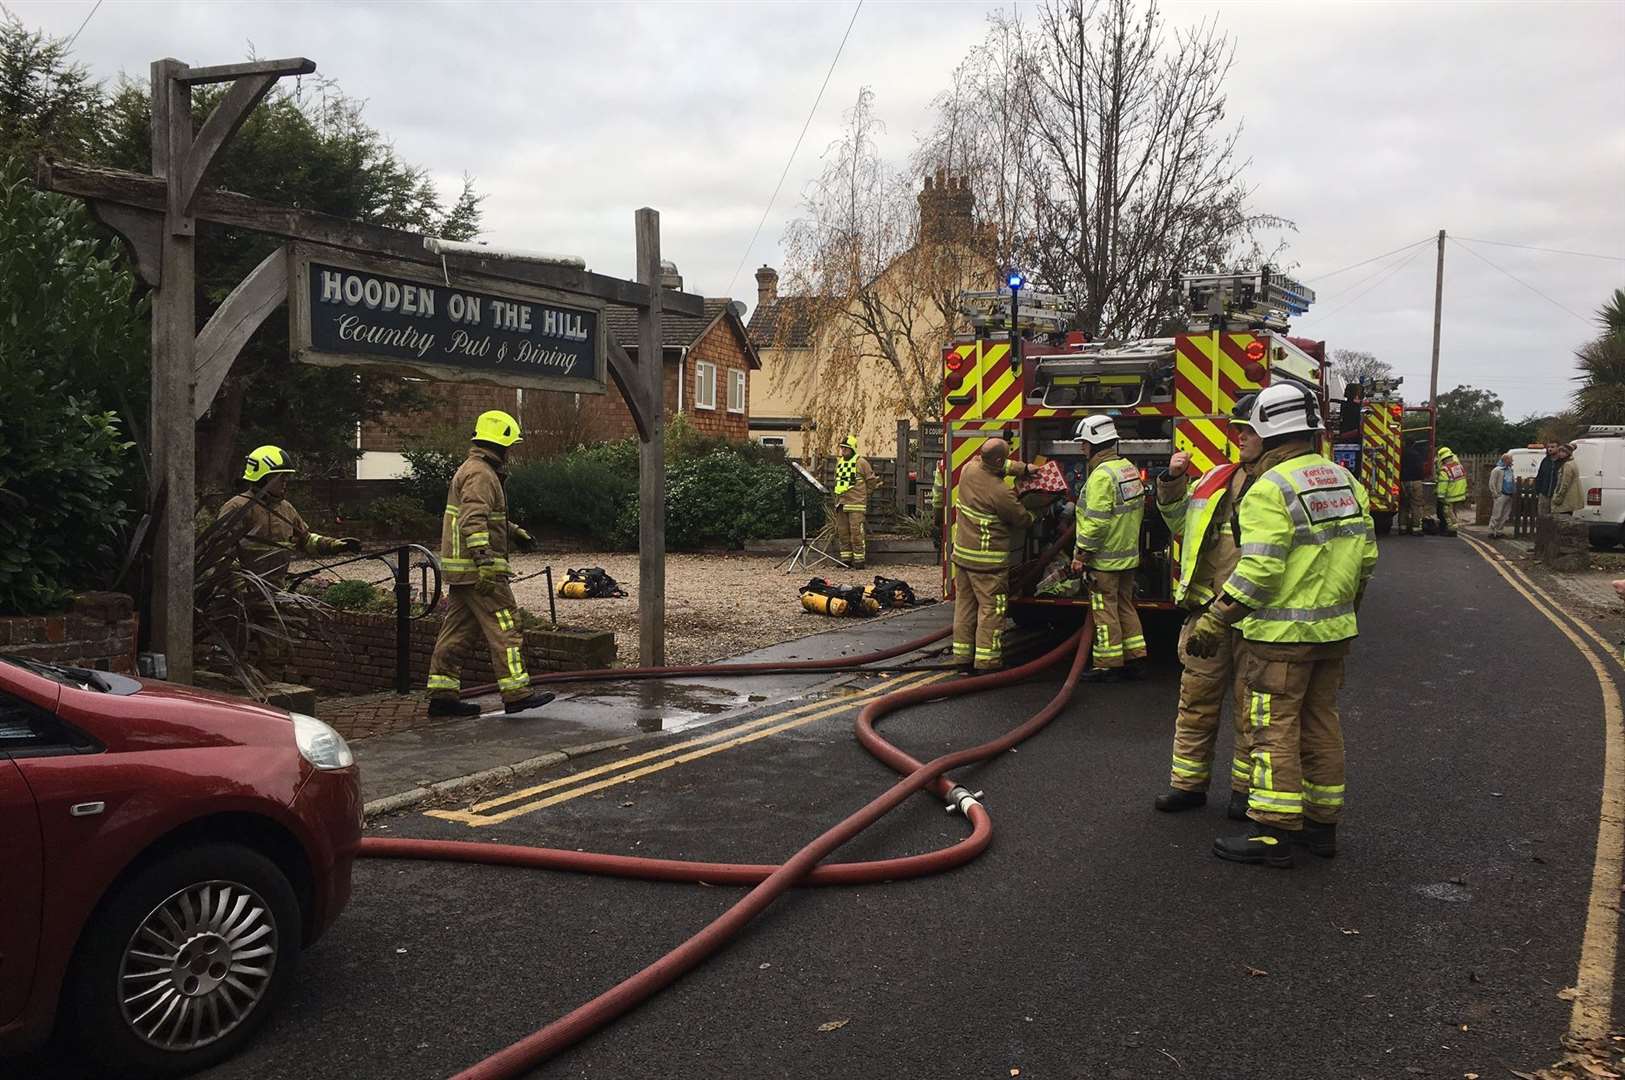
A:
(682, 374)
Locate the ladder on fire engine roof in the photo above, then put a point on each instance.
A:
(1262, 299)
(990, 310)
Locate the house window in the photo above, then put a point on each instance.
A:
(736, 391)
(705, 385)
(773, 440)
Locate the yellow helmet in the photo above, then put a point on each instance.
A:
(497, 427)
(851, 441)
(266, 461)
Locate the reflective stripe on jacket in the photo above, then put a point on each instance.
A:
(1307, 545)
(475, 527)
(1452, 478)
(987, 518)
(1192, 513)
(854, 480)
(274, 532)
(1110, 513)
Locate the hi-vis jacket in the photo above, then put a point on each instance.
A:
(854, 480)
(1307, 546)
(475, 528)
(1202, 516)
(1451, 476)
(1110, 513)
(989, 514)
(275, 532)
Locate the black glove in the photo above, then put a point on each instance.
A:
(350, 544)
(523, 539)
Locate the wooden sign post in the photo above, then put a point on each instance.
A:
(518, 323)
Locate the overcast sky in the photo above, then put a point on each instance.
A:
(1370, 125)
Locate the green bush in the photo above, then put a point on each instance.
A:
(578, 493)
(72, 345)
(402, 513)
(353, 595)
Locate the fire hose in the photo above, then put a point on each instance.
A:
(770, 882)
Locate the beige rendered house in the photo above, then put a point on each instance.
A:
(824, 375)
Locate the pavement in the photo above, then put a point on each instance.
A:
(404, 769)
(1094, 939)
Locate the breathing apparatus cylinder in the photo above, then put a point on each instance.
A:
(573, 590)
(819, 604)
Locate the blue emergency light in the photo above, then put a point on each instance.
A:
(1016, 280)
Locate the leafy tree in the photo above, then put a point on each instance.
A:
(1470, 422)
(306, 146)
(1600, 398)
(1362, 367)
(47, 102)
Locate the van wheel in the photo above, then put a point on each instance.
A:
(182, 964)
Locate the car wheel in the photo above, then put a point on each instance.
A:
(182, 964)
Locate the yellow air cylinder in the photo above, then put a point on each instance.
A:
(819, 604)
(573, 590)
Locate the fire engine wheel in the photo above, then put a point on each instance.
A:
(1384, 521)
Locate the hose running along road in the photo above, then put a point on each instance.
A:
(770, 881)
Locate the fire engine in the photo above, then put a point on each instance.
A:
(1164, 394)
(1386, 425)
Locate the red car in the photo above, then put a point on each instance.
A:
(165, 854)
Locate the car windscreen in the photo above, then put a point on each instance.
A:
(80, 678)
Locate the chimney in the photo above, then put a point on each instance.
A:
(767, 286)
(947, 209)
(669, 277)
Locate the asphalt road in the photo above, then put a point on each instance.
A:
(1095, 939)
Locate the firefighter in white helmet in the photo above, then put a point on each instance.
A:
(1109, 515)
(1307, 550)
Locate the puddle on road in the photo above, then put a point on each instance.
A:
(658, 706)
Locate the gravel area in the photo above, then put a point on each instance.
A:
(717, 604)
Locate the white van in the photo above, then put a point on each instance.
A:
(1600, 460)
(1526, 461)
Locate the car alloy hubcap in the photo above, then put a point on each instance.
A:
(198, 965)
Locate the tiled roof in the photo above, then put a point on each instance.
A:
(784, 324)
(679, 331)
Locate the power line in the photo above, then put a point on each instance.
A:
(1522, 282)
(1549, 251)
(793, 151)
(1374, 258)
(1382, 278)
(84, 24)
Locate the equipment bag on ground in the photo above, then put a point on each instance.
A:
(822, 597)
(891, 592)
(590, 584)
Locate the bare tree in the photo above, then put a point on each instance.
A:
(1140, 176)
(883, 285)
(1357, 366)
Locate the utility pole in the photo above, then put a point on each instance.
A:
(1438, 309)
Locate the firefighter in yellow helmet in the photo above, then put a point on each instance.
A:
(273, 529)
(475, 537)
(1110, 511)
(989, 524)
(854, 481)
(1452, 487)
(1307, 551)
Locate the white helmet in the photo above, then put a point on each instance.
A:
(1096, 430)
(1282, 408)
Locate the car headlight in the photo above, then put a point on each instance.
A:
(319, 744)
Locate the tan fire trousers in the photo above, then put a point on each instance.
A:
(1205, 684)
(1416, 505)
(1118, 637)
(1290, 693)
(980, 599)
(849, 535)
(469, 618)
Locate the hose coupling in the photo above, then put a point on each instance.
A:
(962, 799)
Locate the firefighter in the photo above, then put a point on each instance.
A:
(1307, 550)
(987, 530)
(1201, 512)
(474, 542)
(274, 529)
(1452, 488)
(1109, 515)
(1413, 473)
(854, 480)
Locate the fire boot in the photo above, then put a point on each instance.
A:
(534, 701)
(1102, 675)
(1266, 845)
(1318, 838)
(1237, 810)
(450, 706)
(1176, 799)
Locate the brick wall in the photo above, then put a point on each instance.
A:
(98, 631)
(358, 654)
(719, 346)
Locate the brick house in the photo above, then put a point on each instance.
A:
(708, 362)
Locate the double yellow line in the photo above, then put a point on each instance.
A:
(1594, 984)
(530, 799)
